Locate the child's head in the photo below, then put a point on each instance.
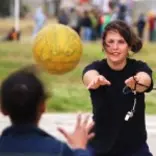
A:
(22, 96)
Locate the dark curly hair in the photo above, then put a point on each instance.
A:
(126, 32)
(21, 93)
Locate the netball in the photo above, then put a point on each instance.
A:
(57, 49)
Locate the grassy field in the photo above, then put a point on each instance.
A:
(68, 96)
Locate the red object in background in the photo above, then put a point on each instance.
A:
(101, 20)
(151, 23)
(83, 1)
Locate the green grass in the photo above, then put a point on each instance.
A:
(69, 94)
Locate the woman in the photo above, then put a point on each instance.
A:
(115, 85)
(23, 99)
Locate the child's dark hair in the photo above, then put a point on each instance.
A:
(21, 93)
(126, 32)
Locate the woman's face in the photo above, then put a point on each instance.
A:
(116, 47)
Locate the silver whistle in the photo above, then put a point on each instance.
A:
(128, 115)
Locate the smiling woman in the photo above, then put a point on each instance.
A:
(118, 39)
(119, 117)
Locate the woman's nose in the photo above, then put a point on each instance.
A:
(115, 46)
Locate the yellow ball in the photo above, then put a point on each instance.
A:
(57, 48)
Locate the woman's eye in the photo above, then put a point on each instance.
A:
(121, 41)
(111, 41)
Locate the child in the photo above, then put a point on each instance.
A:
(23, 99)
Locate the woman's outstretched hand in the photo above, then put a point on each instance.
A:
(97, 82)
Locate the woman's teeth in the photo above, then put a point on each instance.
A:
(115, 53)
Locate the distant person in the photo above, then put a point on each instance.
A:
(94, 20)
(23, 100)
(12, 35)
(74, 20)
(39, 20)
(151, 23)
(63, 17)
(86, 25)
(122, 14)
(106, 20)
(141, 23)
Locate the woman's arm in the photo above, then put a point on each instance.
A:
(89, 76)
(141, 82)
(93, 80)
(144, 80)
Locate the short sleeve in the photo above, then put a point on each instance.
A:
(143, 67)
(93, 66)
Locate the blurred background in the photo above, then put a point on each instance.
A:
(20, 21)
(87, 17)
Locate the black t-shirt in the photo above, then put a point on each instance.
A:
(110, 105)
